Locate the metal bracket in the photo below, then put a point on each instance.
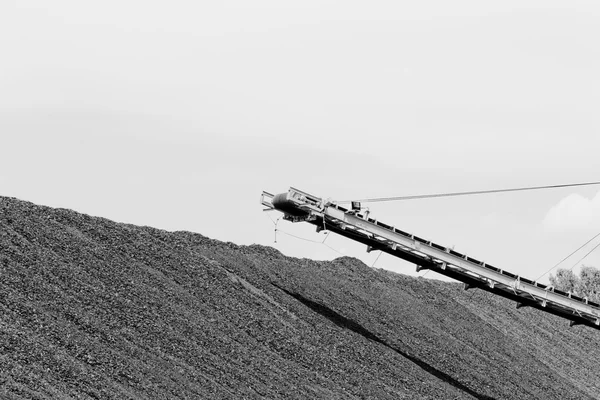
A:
(373, 248)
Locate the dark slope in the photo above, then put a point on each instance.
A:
(94, 309)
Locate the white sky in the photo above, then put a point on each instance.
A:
(178, 114)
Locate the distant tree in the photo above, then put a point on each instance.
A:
(587, 284)
(564, 280)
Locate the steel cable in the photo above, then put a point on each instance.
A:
(454, 194)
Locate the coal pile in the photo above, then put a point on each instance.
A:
(93, 309)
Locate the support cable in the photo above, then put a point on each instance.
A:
(454, 194)
(570, 255)
(584, 257)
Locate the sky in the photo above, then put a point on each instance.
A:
(179, 114)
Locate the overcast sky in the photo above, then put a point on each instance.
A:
(178, 114)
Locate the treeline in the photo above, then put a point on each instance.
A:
(586, 284)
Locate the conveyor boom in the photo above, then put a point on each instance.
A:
(299, 206)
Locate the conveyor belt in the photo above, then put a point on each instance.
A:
(299, 206)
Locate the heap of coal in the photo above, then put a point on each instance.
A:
(93, 309)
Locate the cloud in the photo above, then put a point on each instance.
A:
(574, 212)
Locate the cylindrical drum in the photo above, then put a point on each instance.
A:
(281, 203)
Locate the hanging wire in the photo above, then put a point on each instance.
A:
(327, 237)
(584, 257)
(375, 262)
(272, 220)
(274, 223)
(570, 255)
(453, 194)
(339, 252)
(301, 238)
(311, 241)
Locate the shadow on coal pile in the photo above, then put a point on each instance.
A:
(354, 326)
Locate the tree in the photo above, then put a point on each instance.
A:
(565, 280)
(587, 284)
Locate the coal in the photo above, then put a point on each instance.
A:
(93, 309)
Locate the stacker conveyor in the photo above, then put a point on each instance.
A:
(298, 206)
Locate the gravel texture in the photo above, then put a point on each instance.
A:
(93, 309)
